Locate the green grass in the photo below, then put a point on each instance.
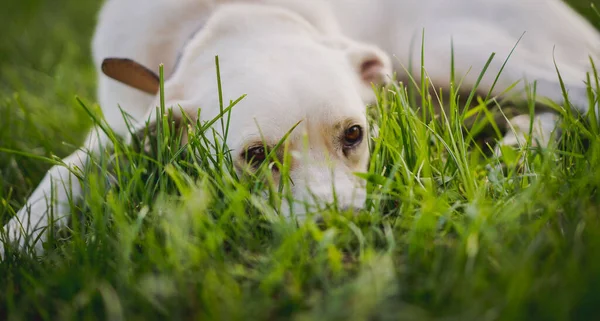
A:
(450, 233)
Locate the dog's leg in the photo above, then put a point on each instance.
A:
(521, 69)
(467, 42)
(51, 198)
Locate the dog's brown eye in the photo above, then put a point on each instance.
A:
(255, 155)
(353, 136)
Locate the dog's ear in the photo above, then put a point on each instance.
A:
(372, 64)
(132, 74)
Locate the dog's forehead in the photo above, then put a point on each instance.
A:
(281, 92)
(273, 107)
(287, 75)
(294, 77)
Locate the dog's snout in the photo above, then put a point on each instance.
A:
(342, 193)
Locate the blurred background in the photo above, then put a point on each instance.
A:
(45, 62)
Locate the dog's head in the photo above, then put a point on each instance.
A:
(294, 76)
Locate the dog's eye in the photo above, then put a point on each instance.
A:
(352, 136)
(255, 155)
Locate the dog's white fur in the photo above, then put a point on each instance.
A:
(291, 70)
(313, 61)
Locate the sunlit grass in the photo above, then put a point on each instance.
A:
(450, 230)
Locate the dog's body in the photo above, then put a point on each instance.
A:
(313, 62)
(550, 31)
(547, 31)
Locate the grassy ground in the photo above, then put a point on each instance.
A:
(448, 236)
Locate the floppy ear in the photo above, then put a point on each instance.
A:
(131, 73)
(372, 64)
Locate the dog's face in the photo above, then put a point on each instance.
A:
(319, 107)
(309, 88)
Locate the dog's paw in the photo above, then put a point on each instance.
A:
(542, 131)
(48, 205)
(509, 150)
(18, 238)
(27, 231)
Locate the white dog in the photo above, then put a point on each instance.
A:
(313, 62)
(293, 65)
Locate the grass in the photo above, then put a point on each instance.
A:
(449, 234)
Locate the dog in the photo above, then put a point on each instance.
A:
(311, 63)
(291, 69)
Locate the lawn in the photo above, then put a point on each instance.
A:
(450, 232)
